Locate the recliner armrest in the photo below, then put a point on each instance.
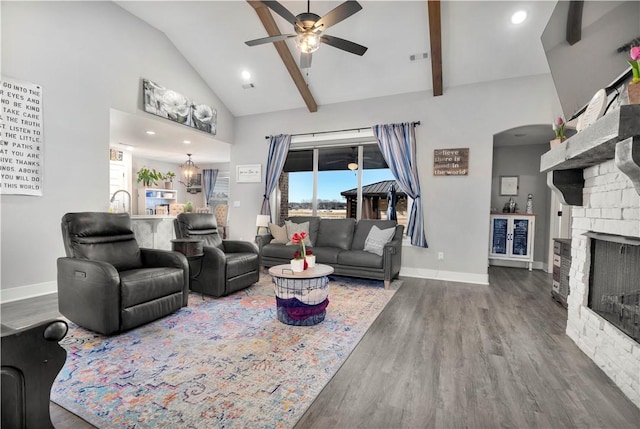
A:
(262, 240)
(238, 246)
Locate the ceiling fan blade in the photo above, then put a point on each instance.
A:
(305, 60)
(345, 45)
(342, 12)
(270, 39)
(282, 11)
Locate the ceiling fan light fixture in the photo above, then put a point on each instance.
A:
(352, 166)
(308, 42)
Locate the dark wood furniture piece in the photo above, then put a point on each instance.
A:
(31, 360)
(561, 267)
(192, 249)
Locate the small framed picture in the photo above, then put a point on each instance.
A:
(509, 185)
(249, 173)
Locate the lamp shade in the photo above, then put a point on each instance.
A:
(352, 166)
(262, 220)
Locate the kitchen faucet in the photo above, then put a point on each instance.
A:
(126, 192)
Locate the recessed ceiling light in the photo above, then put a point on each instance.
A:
(151, 132)
(519, 17)
(187, 142)
(246, 75)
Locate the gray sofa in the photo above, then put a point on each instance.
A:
(340, 243)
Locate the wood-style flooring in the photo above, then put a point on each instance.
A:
(451, 355)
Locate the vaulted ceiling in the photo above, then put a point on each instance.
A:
(478, 42)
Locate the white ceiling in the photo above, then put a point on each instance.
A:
(167, 144)
(479, 43)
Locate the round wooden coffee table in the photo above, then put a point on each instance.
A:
(301, 298)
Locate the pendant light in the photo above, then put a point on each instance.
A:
(188, 172)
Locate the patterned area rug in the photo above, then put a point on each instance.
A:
(224, 362)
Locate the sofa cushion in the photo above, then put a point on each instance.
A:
(280, 251)
(359, 258)
(362, 231)
(314, 225)
(377, 238)
(147, 284)
(326, 255)
(297, 228)
(336, 233)
(279, 233)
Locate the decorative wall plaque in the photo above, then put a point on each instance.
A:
(451, 162)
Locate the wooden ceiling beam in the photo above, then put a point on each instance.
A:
(435, 38)
(285, 54)
(574, 21)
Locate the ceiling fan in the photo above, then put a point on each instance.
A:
(310, 27)
(351, 161)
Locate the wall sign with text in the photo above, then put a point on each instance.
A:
(451, 162)
(21, 138)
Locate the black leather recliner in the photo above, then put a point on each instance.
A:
(227, 265)
(107, 283)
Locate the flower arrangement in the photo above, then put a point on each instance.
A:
(298, 238)
(635, 63)
(559, 126)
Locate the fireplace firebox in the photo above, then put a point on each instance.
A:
(614, 281)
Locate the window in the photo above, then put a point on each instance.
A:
(333, 188)
(220, 190)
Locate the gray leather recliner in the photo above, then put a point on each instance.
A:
(227, 265)
(107, 284)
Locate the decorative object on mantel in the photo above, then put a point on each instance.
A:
(594, 111)
(558, 126)
(633, 87)
(529, 209)
(616, 135)
(174, 106)
(168, 179)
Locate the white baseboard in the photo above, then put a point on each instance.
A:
(449, 276)
(29, 291)
(537, 265)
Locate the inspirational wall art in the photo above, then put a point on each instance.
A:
(451, 162)
(21, 138)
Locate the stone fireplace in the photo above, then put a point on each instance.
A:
(598, 172)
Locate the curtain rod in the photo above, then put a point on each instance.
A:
(336, 131)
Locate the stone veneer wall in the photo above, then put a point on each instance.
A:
(611, 205)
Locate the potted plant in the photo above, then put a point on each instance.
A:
(299, 262)
(188, 207)
(168, 179)
(148, 177)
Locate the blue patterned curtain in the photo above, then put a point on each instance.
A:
(397, 142)
(278, 150)
(210, 177)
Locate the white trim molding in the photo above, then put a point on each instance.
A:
(449, 276)
(29, 291)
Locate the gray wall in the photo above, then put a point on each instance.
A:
(88, 57)
(524, 161)
(456, 208)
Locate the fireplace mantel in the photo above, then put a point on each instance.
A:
(615, 135)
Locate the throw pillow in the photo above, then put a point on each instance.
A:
(377, 238)
(293, 227)
(279, 233)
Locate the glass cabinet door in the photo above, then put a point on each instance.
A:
(499, 235)
(520, 238)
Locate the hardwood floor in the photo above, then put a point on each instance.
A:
(452, 355)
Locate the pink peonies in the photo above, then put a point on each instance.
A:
(635, 63)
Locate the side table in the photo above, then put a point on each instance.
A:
(193, 249)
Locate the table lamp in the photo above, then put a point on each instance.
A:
(262, 223)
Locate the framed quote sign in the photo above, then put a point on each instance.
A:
(248, 173)
(451, 162)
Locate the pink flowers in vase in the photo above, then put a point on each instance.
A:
(559, 126)
(635, 63)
